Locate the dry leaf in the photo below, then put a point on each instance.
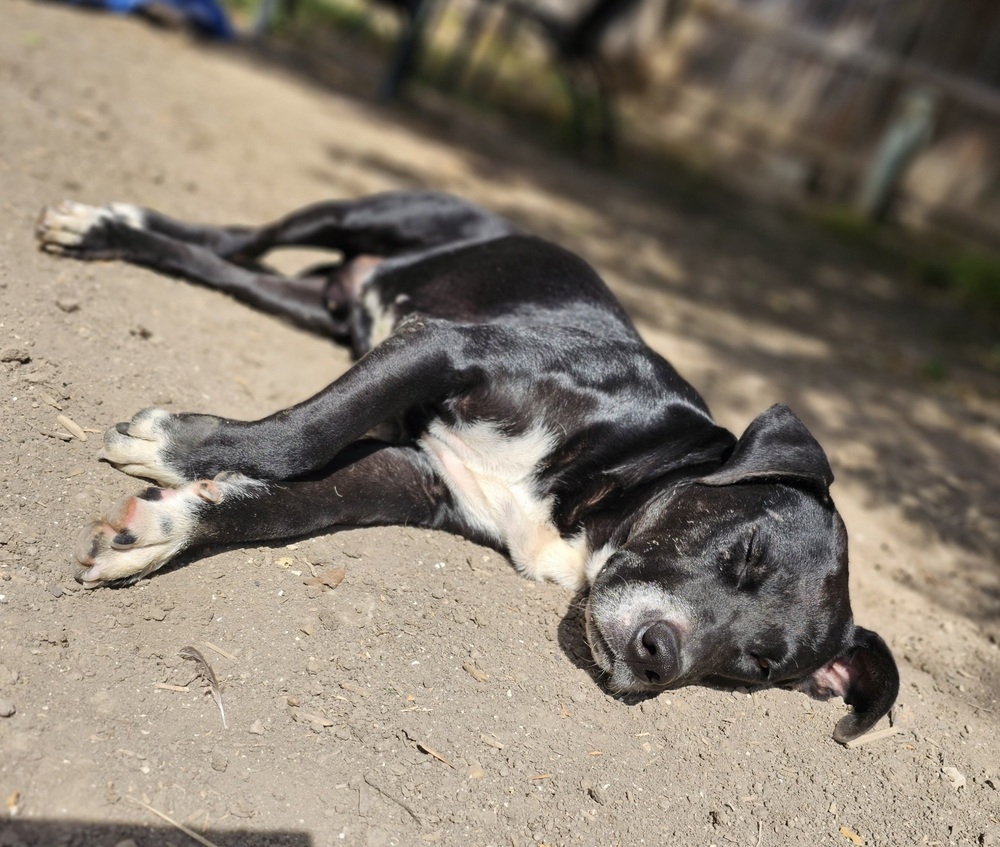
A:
(62, 436)
(354, 689)
(331, 578)
(322, 720)
(475, 673)
(430, 751)
(869, 737)
(206, 673)
(493, 742)
(72, 427)
(851, 835)
(219, 650)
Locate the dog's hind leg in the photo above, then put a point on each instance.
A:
(117, 232)
(383, 225)
(370, 484)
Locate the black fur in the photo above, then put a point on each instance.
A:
(706, 557)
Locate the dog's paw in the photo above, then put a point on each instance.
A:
(140, 447)
(154, 445)
(84, 231)
(140, 534)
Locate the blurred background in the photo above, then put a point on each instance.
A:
(875, 117)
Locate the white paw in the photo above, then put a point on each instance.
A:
(66, 226)
(142, 533)
(139, 447)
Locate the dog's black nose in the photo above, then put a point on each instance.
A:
(653, 653)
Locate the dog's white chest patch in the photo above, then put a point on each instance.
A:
(492, 477)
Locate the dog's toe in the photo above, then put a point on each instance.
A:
(139, 534)
(139, 447)
(78, 229)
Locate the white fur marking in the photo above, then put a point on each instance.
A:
(155, 541)
(383, 320)
(67, 224)
(492, 477)
(598, 559)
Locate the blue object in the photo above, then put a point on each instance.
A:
(207, 16)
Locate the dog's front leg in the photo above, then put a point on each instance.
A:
(420, 363)
(370, 484)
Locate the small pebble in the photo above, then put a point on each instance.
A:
(6, 708)
(955, 777)
(598, 795)
(68, 304)
(257, 727)
(15, 354)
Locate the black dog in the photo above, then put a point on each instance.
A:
(529, 416)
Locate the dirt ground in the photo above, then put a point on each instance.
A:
(434, 696)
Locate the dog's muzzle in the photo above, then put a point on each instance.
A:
(653, 653)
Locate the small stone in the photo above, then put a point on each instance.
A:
(128, 842)
(6, 708)
(68, 304)
(257, 727)
(955, 777)
(219, 762)
(598, 795)
(902, 716)
(15, 354)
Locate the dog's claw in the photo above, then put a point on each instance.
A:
(138, 447)
(142, 533)
(136, 537)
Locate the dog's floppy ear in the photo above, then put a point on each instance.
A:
(865, 675)
(776, 445)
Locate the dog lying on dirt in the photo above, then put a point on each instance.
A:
(527, 415)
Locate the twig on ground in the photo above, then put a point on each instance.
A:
(190, 833)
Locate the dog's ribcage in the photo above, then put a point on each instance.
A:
(493, 478)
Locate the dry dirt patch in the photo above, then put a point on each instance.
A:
(434, 696)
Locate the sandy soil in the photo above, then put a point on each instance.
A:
(434, 696)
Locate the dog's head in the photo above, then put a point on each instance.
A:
(741, 577)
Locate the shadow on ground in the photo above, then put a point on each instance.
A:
(69, 833)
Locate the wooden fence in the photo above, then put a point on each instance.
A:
(802, 97)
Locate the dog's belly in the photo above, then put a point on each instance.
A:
(492, 477)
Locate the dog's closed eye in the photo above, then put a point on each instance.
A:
(749, 558)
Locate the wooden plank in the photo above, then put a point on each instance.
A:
(823, 47)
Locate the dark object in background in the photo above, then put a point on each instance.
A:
(205, 17)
